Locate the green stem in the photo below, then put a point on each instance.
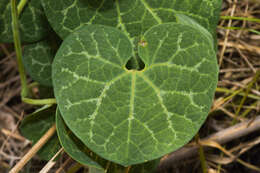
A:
(50, 101)
(250, 85)
(202, 157)
(228, 91)
(18, 48)
(243, 115)
(240, 18)
(240, 28)
(21, 5)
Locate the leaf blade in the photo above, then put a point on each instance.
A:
(73, 146)
(132, 17)
(37, 59)
(33, 23)
(132, 116)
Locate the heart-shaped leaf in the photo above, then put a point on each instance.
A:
(131, 16)
(73, 146)
(33, 23)
(79, 152)
(37, 59)
(131, 116)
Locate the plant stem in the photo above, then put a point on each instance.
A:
(250, 85)
(20, 6)
(201, 155)
(240, 28)
(18, 48)
(240, 18)
(50, 101)
(228, 91)
(243, 115)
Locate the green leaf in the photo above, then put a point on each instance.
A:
(183, 19)
(73, 146)
(130, 116)
(79, 152)
(131, 16)
(37, 59)
(34, 126)
(33, 23)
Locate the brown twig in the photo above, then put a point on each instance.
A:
(50, 163)
(34, 150)
(227, 33)
(13, 135)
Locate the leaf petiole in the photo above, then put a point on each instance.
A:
(18, 48)
(20, 6)
(49, 101)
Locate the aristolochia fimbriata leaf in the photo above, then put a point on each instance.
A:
(32, 21)
(74, 147)
(130, 116)
(37, 59)
(131, 16)
(79, 152)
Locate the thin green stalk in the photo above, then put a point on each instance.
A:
(220, 165)
(202, 157)
(18, 48)
(228, 91)
(233, 94)
(21, 5)
(240, 28)
(254, 31)
(243, 115)
(50, 101)
(254, 80)
(240, 18)
(250, 85)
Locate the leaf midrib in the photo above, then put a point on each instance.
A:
(131, 110)
(159, 21)
(120, 21)
(157, 91)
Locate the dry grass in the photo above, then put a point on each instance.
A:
(237, 101)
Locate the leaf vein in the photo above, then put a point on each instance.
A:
(158, 20)
(157, 91)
